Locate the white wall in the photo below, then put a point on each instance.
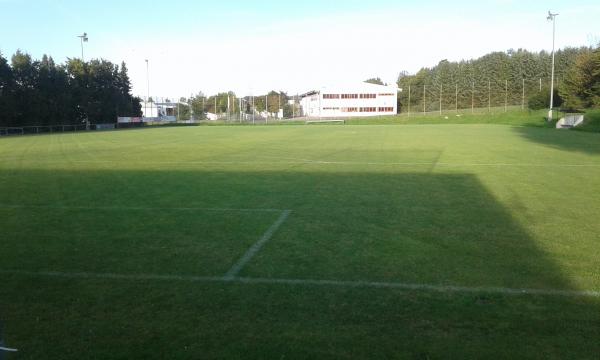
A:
(321, 105)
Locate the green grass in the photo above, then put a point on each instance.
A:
(591, 123)
(140, 226)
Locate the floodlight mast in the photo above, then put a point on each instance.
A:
(148, 90)
(552, 17)
(83, 38)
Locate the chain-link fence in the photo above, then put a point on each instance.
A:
(492, 96)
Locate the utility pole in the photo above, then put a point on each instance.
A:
(552, 17)
(267, 108)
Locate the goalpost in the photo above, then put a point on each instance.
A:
(324, 121)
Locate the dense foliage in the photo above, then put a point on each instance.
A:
(40, 92)
(581, 88)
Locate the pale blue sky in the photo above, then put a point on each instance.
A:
(250, 47)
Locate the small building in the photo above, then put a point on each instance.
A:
(159, 111)
(360, 99)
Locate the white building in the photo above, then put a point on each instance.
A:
(360, 99)
(159, 111)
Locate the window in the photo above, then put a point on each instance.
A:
(386, 109)
(388, 94)
(350, 109)
(331, 108)
(331, 96)
(368, 109)
(349, 96)
(368, 96)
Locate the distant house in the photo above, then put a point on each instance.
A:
(359, 99)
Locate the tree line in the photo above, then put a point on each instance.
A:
(500, 78)
(42, 93)
(225, 102)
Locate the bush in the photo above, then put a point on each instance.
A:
(541, 100)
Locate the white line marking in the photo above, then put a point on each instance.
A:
(8, 349)
(311, 282)
(132, 208)
(113, 276)
(237, 267)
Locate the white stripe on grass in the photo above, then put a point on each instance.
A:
(239, 265)
(8, 349)
(312, 282)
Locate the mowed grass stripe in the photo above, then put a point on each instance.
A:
(134, 208)
(318, 162)
(309, 282)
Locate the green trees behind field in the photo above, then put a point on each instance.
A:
(40, 92)
(513, 77)
(581, 88)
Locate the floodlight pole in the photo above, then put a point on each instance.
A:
(147, 89)
(552, 17)
(83, 38)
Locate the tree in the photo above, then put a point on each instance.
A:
(7, 94)
(581, 86)
(376, 81)
(541, 100)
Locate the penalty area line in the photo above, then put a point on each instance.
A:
(313, 282)
(254, 249)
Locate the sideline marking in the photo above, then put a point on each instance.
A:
(237, 267)
(312, 282)
(8, 349)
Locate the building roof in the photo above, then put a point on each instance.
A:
(354, 87)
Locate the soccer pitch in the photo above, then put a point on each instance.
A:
(420, 241)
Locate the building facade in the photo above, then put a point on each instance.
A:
(361, 99)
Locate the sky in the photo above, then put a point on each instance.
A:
(251, 47)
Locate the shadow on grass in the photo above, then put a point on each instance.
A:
(579, 141)
(412, 227)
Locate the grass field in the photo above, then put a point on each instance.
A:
(416, 241)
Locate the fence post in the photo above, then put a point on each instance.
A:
(473, 97)
(506, 96)
(523, 97)
(489, 96)
(441, 86)
(456, 101)
(408, 100)
(424, 94)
